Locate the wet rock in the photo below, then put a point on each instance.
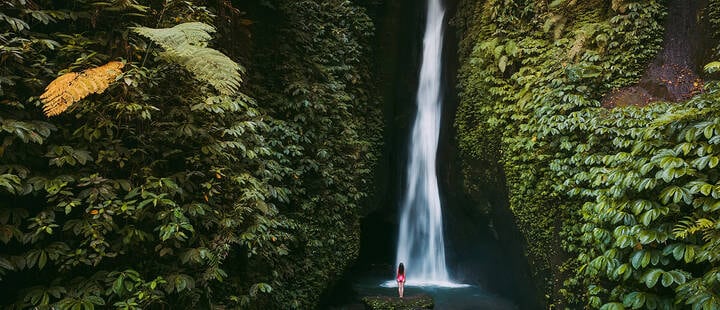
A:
(672, 76)
(671, 82)
(629, 96)
(415, 302)
(656, 89)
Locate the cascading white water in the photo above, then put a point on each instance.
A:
(420, 244)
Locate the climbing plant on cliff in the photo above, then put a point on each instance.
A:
(632, 191)
(322, 97)
(531, 75)
(170, 187)
(111, 204)
(649, 225)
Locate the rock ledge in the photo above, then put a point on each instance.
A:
(394, 303)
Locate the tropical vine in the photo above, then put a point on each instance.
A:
(164, 184)
(533, 76)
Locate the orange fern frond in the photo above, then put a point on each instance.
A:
(71, 87)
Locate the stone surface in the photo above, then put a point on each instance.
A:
(672, 76)
(394, 303)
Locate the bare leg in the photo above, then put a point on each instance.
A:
(401, 288)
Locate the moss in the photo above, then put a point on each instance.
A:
(394, 303)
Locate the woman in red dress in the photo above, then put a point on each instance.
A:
(401, 279)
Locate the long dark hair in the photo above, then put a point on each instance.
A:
(401, 269)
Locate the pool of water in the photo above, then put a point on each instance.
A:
(438, 284)
(447, 296)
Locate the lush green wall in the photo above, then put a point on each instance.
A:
(616, 206)
(312, 68)
(162, 192)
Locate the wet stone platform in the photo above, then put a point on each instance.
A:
(415, 302)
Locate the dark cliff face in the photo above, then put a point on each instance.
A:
(683, 42)
(674, 74)
(396, 60)
(398, 48)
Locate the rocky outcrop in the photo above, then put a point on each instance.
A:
(672, 76)
(394, 303)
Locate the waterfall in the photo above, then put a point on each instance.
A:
(420, 244)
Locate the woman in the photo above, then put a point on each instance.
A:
(401, 279)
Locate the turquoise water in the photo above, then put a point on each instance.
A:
(458, 297)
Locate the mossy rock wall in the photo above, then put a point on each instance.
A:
(162, 192)
(603, 197)
(312, 66)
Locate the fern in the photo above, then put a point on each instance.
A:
(72, 87)
(194, 33)
(689, 226)
(186, 44)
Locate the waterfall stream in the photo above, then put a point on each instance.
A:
(420, 244)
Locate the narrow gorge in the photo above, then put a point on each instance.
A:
(289, 154)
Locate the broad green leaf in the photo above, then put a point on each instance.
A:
(712, 67)
(613, 306)
(651, 277)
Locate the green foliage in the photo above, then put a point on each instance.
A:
(186, 44)
(192, 33)
(314, 77)
(160, 192)
(648, 223)
(532, 77)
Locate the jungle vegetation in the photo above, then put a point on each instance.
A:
(618, 204)
(162, 154)
(182, 154)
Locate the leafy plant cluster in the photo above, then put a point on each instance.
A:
(532, 77)
(312, 69)
(648, 235)
(171, 188)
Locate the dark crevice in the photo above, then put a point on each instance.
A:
(483, 249)
(396, 54)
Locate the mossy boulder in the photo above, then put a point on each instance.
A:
(395, 303)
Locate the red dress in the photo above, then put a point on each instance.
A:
(401, 278)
